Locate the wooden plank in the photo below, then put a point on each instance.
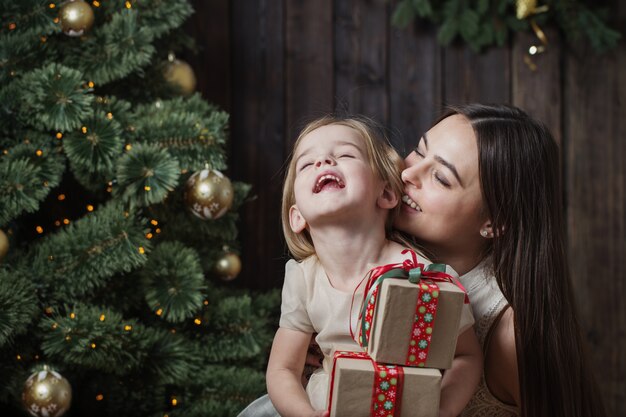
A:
(210, 27)
(309, 62)
(539, 91)
(595, 128)
(414, 83)
(476, 77)
(257, 140)
(361, 58)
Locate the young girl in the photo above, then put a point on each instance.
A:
(340, 195)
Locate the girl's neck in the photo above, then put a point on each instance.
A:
(346, 253)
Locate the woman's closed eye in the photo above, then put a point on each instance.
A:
(441, 179)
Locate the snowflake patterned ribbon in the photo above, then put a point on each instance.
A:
(386, 390)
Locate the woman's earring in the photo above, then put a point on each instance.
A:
(484, 233)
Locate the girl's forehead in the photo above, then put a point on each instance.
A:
(330, 135)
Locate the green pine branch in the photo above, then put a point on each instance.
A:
(29, 169)
(485, 23)
(84, 255)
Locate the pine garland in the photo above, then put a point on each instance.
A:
(485, 23)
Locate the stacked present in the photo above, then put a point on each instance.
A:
(408, 327)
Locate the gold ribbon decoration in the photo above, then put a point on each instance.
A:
(526, 9)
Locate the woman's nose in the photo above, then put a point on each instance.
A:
(411, 175)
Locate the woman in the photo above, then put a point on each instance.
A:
(483, 195)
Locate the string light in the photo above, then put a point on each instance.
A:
(59, 135)
(99, 397)
(147, 188)
(49, 310)
(128, 5)
(128, 327)
(39, 229)
(159, 312)
(72, 315)
(39, 152)
(56, 20)
(61, 197)
(52, 5)
(158, 230)
(109, 115)
(43, 39)
(93, 345)
(68, 338)
(89, 207)
(96, 3)
(12, 26)
(128, 147)
(154, 222)
(57, 223)
(198, 321)
(206, 302)
(102, 317)
(54, 326)
(84, 129)
(142, 250)
(174, 401)
(149, 235)
(66, 221)
(19, 358)
(90, 84)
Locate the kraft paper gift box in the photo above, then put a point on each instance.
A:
(392, 326)
(352, 391)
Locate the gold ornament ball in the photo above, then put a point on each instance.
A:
(46, 394)
(180, 75)
(228, 266)
(4, 244)
(76, 17)
(208, 194)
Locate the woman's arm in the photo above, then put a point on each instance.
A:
(284, 371)
(459, 383)
(501, 361)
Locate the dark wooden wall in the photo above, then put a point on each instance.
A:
(273, 64)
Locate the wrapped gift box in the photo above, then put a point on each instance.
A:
(353, 388)
(393, 324)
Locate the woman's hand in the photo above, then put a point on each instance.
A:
(314, 359)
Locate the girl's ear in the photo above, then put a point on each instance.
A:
(388, 199)
(296, 221)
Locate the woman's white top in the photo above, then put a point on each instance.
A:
(488, 303)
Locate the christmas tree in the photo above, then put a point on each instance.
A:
(117, 226)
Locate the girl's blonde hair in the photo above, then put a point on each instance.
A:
(383, 159)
